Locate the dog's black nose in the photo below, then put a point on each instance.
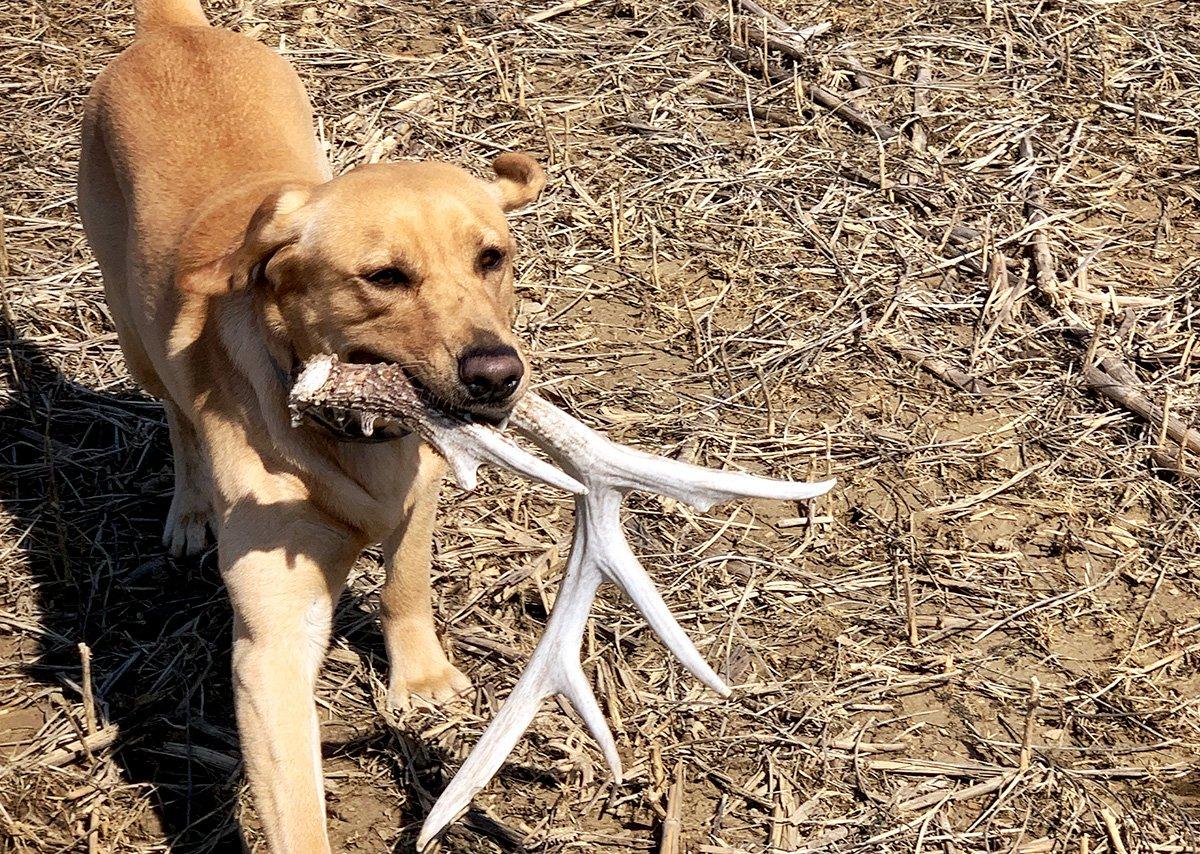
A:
(491, 374)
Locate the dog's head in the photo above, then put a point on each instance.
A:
(409, 263)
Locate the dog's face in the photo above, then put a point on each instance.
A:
(409, 263)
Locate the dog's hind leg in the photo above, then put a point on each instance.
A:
(417, 664)
(105, 216)
(190, 518)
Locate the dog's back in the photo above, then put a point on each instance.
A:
(178, 122)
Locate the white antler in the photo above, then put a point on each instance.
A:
(598, 552)
(599, 472)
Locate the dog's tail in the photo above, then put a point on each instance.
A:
(154, 14)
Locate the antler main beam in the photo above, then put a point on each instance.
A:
(599, 472)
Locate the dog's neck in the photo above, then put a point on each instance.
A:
(279, 350)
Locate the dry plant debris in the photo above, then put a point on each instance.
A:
(728, 271)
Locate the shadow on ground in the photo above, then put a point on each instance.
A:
(87, 477)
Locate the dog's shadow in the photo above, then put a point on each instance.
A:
(85, 480)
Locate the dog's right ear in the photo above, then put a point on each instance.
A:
(276, 224)
(519, 180)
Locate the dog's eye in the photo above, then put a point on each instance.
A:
(388, 277)
(490, 259)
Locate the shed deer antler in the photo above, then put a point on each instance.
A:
(599, 472)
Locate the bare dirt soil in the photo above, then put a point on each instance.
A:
(724, 271)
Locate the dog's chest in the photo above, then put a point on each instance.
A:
(389, 472)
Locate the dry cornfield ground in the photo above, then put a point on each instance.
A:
(947, 286)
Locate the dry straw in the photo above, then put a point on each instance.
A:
(939, 250)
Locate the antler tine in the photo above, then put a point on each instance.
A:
(599, 551)
(553, 668)
(628, 573)
(466, 445)
(589, 455)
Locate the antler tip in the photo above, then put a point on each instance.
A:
(796, 490)
(435, 823)
(466, 473)
(426, 839)
(825, 485)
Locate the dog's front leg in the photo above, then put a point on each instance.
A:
(284, 572)
(417, 665)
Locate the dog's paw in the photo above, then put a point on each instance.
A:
(436, 687)
(189, 524)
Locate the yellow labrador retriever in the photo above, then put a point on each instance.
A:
(229, 254)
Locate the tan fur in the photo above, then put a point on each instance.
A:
(228, 253)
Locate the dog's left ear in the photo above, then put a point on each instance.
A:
(519, 180)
